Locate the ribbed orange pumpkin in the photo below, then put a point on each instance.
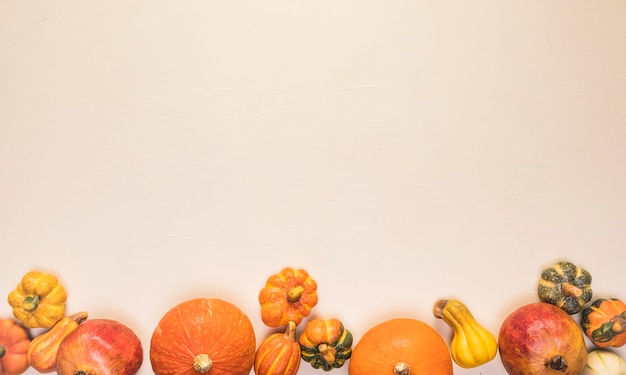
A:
(203, 334)
(14, 341)
(401, 346)
(279, 353)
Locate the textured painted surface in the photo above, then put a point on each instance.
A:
(153, 151)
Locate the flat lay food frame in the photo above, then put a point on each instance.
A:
(301, 188)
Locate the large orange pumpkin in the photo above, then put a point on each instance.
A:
(401, 346)
(203, 335)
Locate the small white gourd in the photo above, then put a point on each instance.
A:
(604, 362)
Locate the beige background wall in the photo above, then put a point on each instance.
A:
(401, 152)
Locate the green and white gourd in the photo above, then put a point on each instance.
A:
(604, 362)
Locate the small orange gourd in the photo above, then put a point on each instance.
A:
(202, 335)
(278, 354)
(14, 341)
(287, 296)
(604, 322)
(401, 346)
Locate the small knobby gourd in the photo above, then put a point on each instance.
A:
(42, 351)
(325, 344)
(14, 341)
(472, 345)
(566, 286)
(38, 301)
(279, 353)
(287, 296)
(604, 362)
(604, 322)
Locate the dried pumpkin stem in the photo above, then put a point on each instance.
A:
(571, 290)
(402, 368)
(3, 351)
(294, 294)
(31, 302)
(202, 363)
(328, 353)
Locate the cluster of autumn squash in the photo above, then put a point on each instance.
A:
(213, 336)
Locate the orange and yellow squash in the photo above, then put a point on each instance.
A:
(278, 354)
(42, 351)
(287, 296)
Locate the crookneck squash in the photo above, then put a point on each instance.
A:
(278, 354)
(39, 300)
(14, 341)
(202, 335)
(42, 351)
(325, 344)
(402, 346)
(472, 345)
(604, 322)
(287, 296)
(566, 286)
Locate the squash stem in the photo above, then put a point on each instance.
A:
(438, 308)
(294, 294)
(31, 302)
(571, 290)
(619, 324)
(402, 368)
(290, 332)
(328, 353)
(202, 363)
(3, 350)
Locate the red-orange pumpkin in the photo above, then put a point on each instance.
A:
(202, 335)
(279, 353)
(14, 341)
(401, 346)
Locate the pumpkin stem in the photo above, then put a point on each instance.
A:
(557, 363)
(402, 368)
(294, 294)
(202, 363)
(31, 302)
(571, 290)
(328, 353)
(3, 350)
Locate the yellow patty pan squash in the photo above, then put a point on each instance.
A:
(39, 300)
